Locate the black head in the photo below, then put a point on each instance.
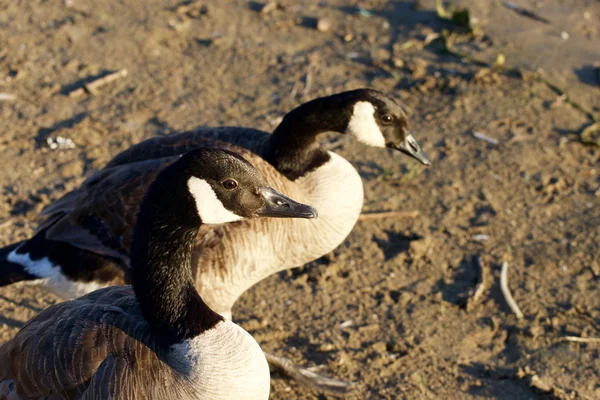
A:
(377, 120)
(226, 188)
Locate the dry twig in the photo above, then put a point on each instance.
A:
(309, 79)
(7, 97)
(525, 12)
(93, 86)
(481, 287)
(388, 214)
(295, 89)
(506, 291)
(580, 339)
(307, 377)
(485, 138)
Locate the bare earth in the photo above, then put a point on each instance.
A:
(396, 308)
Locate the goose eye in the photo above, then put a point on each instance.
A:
(386, 118)
(229, 184)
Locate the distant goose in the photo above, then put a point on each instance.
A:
(157, 340)
(85, 240)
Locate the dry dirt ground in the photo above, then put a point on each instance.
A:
(396, 308)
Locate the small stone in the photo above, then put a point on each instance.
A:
(327, 347)
(347, 324)
(348, 37)
(323, 24)
(564, 35)
(398, 62)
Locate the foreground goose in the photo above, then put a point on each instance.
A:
(157, 340)
(85, 240)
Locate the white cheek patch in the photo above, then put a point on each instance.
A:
(362, 125)
(210, 208)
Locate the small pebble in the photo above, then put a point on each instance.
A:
(480, 237)
(60, 142)
(398, 62)
(365, 13)
(564, 35)
(324, 24)
(347, 324)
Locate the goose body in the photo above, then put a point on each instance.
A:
(109, 352)
(157, 339)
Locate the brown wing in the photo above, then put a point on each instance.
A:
(100, 215)
(95, 347)
(236, 139)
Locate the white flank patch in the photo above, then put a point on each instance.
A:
(51, 276)
(210, 208)
(362, 125)
(223, 363)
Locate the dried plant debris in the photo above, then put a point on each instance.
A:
(7, 97)
(459, 16)
(591, 134)
(192, 9)
(485, 138)
(94, 86)
(482, 286)
(525, 12)
(506, 291)
(267, 8)
(578, 339)
(388, 214)
(532, 378)
(499, 63)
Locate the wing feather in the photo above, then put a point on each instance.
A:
(95, 347)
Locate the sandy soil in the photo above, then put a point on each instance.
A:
(396, 307)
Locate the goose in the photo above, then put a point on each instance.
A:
(83, 242)
(156, 339)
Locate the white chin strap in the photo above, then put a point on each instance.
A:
(210, 208)
(362, 125)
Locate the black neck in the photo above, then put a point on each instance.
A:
(294, 149)
(161, 262)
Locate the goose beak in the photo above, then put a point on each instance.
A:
(279, 206)
(411, 147)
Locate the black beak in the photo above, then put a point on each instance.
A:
(280, 206)
(411, 147)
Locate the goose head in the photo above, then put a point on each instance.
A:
(227, 188)
(377, 120)
(204, 186)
